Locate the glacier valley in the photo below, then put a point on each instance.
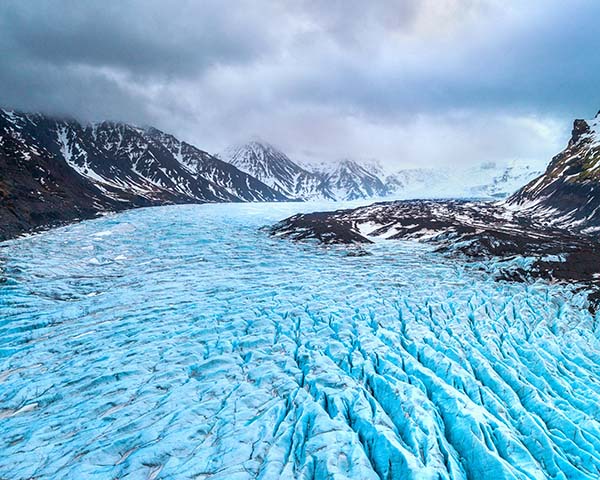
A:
(186, 342)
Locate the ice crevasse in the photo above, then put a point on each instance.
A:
(184, 342)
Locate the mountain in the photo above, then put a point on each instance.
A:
(350, 181)
(368, 178)
(275, 169)
(343, 180)
(222, 174)
(54, 170)
(37, 189)
(567, 193)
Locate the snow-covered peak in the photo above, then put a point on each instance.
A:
(18, 119)
(274, 168)
(350, 181)
(259, 157)
(372, 166)
(585, 132)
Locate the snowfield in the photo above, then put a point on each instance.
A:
(185, 342)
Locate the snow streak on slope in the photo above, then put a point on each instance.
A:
(184, 342)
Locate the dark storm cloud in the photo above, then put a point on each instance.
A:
(347, 77)
(149, 38)
(99, 59)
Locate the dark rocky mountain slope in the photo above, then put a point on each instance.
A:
(57, 170)
(568, 193)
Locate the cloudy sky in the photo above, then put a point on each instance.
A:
(409, 82)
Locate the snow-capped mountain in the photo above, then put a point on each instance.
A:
(567, 193)
(204, 165)
(343, 180)
(351, 181)
(275, 169)
(54, 170)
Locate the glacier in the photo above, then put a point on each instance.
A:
(185, 342)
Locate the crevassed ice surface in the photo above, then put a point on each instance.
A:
(184, 342)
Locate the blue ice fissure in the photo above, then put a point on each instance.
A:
(185, 342)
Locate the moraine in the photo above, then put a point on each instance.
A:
(186, 342)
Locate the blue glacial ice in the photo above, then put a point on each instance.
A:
(184, 342)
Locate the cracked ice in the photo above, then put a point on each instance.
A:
(184, 342)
